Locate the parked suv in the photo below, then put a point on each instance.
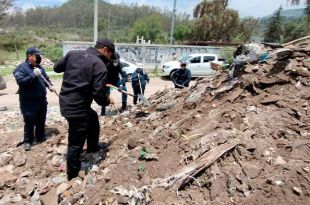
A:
(199, 64)
(128, 67)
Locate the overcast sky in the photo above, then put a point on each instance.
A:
(256, 8)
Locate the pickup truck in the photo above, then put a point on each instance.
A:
(199, 64)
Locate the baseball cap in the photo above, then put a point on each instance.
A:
(183, 63)
(33, 50)
(106, 43)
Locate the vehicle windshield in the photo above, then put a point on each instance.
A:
(184, 58)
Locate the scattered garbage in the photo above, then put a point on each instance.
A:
(239, 137)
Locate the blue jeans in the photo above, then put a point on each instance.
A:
(124, 96)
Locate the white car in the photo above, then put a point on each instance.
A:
(128, 67)
(199, 64)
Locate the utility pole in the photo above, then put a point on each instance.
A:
(109, 24)
(95, 20)
(172, 23)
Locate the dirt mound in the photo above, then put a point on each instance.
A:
(240, 137)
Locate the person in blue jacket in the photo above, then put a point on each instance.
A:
(181, 77)
(139, 78)
(32, 96)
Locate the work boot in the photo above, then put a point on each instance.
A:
(124, 106)
(27, 146)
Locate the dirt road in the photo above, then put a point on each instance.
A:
(9, 98)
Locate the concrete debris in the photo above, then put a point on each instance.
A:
(297, 191)
(279, 161)
(238, 137)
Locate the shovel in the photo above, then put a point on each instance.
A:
(142, 98)
(48, 84)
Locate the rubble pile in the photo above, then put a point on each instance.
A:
(240, 137)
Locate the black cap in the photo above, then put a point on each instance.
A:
(106, 43)
(33, 50)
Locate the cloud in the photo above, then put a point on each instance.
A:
(27, 6)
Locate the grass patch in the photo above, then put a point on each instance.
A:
(154, 73)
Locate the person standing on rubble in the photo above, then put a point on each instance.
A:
(138, 81)
(182, 76)
(32, 96)
(84, 80)
(118, 78)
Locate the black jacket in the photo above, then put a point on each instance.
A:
(181, 77)
(114, 74)
(31, 87)
(143, 78)
(84, 80)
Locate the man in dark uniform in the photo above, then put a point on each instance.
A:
(32, 96)
(118, 78)
(138, 81)
(84, 80)
(182, 76)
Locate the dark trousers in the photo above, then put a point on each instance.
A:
(124, 99)
(34, 121)
(136, 91)
(80, 130)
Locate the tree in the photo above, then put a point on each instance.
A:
(246, 28)
(182, 32)
(274, 29)
(4, 6)
(149, 27)
(215, 21)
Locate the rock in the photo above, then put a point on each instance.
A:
(153, 116)
(82, 174)
(306, 169)
(7, 178)
(35, 199)
(19, 159)
(165, 106)
(25, 174)
(76, 186)
(62, 150)
(251, 109)
(125, 113)
(128, 124)
(279, 183)
(297, 191)
(95, 168)
(56, 160)
(267, 154)
(17, 198)
(132, 143)
(59, 180)
(50, 198)
(4, 159)
(5, 199)
(61, 188)
(279, 161)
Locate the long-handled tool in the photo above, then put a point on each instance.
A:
(50, 87)
(142, 98)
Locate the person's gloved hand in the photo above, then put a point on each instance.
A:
(52, 89)
(120, 88)
(37, 72)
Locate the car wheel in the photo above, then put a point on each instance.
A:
(171, 73)
(129, 76)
